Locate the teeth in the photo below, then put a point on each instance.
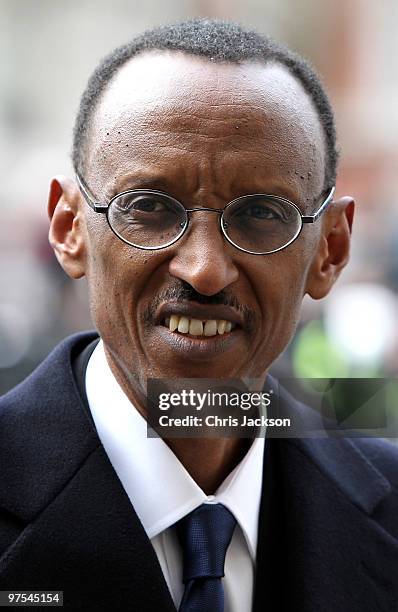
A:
(183, 325)
(173, 324)
(210, 328)
(221, 326)
(196, 327)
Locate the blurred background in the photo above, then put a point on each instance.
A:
(48, 48)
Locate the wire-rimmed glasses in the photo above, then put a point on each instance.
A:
(258, 223)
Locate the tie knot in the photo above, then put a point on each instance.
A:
(204, 535)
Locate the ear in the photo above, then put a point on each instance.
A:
(66, 233)
(333, 248)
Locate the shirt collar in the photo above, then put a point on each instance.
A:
(157, 484)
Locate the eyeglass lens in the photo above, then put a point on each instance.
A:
(257, 224)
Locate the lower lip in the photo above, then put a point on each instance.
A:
(199, 347)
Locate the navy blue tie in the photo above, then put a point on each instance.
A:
(204, 535)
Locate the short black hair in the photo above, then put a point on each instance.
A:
(220, 41)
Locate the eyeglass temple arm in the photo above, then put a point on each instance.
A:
(313, 218)
(88, 196)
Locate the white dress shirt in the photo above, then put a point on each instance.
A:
(162, 491)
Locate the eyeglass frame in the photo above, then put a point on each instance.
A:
(104, 208)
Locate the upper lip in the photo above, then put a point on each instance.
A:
(194, 310)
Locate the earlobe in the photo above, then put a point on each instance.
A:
(66, 233)
(333, 249)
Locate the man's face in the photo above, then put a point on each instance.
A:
(205, 133)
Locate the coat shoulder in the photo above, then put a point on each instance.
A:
(44, 432)
(45, 378)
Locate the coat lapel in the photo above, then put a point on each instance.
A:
(81, 533)
(89, 543)
(320, 545)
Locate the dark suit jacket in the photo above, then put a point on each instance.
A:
(328, 530)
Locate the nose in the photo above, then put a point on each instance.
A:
(202, 256)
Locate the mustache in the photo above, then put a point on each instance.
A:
(181, 291)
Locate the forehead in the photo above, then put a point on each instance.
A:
(177, 108)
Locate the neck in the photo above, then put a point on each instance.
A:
(209, 460)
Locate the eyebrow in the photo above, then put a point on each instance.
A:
(138, 180)
(160, 182)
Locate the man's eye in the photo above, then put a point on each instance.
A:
(262, 211)
(145, 204)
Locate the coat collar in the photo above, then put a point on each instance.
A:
(48, 434)
(320, 544)
(337, 458)
(83, 536)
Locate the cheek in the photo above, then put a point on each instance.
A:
(286, 307)
(281, 295)
(283, 279)
(115, 275)
(105, 300)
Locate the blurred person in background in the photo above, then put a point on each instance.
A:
(201, 213)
